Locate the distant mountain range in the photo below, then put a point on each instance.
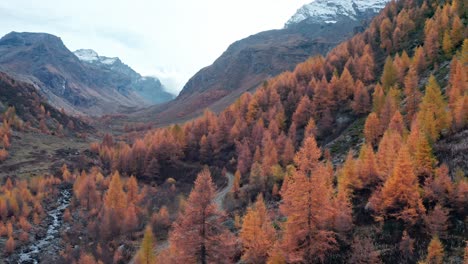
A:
(148, 87)
(315, 29)
(80, 82)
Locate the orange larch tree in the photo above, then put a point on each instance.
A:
(433, 115)
(390, 106)
(399, 197)
(132, 190)
(310, 129)
(386, 29)
(257, 234)
(303, 112)
(343, 218)
(130, 219)
(347, 175)
(397, 125)
(438, 188)
(389, 75)
(115, 197)
(366, 166)
(346, 85)
(198, 233)
(244, 160)
(447, 43)
(419, 60)
(424, 160)
(367, 65)
(307, 204)
(412, 94)
(308, 155)
(435, 252)
(270, 154)
(145, 254)
(361, 100)
(288, 152)
(378, 99)
(458, 93)
(431, 39)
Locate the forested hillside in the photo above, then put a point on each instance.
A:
(343, 160)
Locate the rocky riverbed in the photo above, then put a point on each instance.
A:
(47, 243)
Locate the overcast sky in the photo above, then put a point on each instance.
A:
(171, 39)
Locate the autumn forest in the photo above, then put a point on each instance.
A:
(358, 156)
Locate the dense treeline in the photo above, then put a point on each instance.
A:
(351, 81)
(394, 181)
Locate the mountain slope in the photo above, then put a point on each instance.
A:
(250, 61)
(27, 102)
(80, 88)
(148, 88)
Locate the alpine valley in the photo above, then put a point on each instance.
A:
(340, 138)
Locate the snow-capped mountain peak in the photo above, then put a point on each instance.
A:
(87, 55)
(331, 11)
(91, 56)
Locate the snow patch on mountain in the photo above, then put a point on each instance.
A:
(330, 11)
(108, 61)
(91, 56)
(87, 55)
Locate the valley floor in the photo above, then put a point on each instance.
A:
(34, 154)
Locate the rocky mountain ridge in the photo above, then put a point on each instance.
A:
(66, 81)
(332, 11)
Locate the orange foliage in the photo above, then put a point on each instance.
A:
(433, 115)
(345, 85)
(399, 197)
(389, 75)
(307, 204)
(198, 234)
(86, 259)
(10, 245)
(412, 93)
(307, 157)
(397, 125)
(366, 167)
(378, 99)
(115, 196)
(257, 234)
(130, 219)
(435, 252)
(302, 114)
(132, 190)
(6, 142)
(3, 154)
(361, 100)
(372, 129)
(458, 93)
(388, 152)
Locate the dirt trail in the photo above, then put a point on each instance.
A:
(219, 198)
